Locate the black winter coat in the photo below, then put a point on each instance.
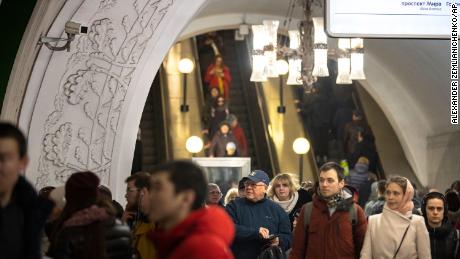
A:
(304, 197)
(34, 211)
(443, 242)
(108, 238)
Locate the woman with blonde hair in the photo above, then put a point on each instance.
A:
(396, 232)
(231, 195)
(285, 191)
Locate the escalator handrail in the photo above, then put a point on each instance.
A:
(311, 153)
(166, 114)
(357, 100)
(199, 82)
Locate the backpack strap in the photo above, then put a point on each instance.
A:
(456, 243)
(307, 208)
(353, 217)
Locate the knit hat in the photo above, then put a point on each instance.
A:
(231, 118)
(81, 190)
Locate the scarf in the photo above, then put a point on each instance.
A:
(289, 204)
(331, 201)
(407, 205)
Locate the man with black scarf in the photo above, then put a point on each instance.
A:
(324, 229)
(444, 238)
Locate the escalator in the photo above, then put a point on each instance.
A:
(244, 101)
(337, 103)
(153, 138)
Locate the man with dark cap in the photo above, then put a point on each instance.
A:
(259, 221)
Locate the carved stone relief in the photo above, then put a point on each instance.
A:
(80, 131)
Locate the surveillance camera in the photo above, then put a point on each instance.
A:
(75, 28)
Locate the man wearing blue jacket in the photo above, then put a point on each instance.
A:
(259, 221)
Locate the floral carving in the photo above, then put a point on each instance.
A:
(57, 145)
(80, 131)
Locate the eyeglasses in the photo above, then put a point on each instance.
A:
(252, 184)
(132, 190)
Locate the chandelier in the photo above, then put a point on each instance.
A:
(307, 54)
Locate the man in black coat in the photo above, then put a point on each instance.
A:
(444, 238)
(22, 212)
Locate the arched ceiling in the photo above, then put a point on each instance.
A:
(71, 126)
(409, 79)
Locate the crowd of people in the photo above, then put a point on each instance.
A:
(225, 136)
(337, 129)
(173, 212)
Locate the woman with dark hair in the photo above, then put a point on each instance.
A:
(87, 227)
(444, 239)
(396, 232)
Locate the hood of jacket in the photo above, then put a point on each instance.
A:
(87, 216)
(208, 221)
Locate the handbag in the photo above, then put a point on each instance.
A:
(272, 252)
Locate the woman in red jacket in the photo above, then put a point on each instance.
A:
(218, 76)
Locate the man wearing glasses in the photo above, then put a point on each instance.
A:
(259, 221)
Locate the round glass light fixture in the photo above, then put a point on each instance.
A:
(186, 66)
(194, 144)
(301, 146)
(282, 67)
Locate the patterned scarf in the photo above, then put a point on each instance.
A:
(331, 201)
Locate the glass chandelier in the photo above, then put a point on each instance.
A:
(307, 53)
